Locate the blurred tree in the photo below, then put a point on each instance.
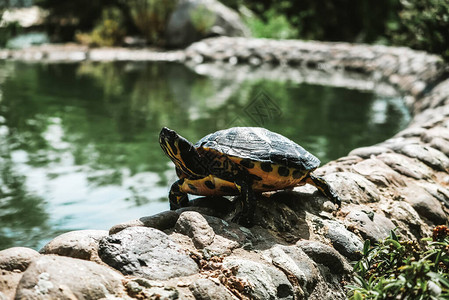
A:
(68, 17)
(424, 25)
(145, 17)
(338, 20)
(421, 24)
(151, 17)
(108, 32)
(275, 26)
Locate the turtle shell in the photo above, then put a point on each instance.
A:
(260, 144)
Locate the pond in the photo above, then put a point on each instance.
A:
(79, 141)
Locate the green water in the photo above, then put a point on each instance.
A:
(79, 146)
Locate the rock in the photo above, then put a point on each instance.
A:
(214, 235)
(196, 227)
(367, 152)
(228, 236)
(59, 277)
(293, 261)
(430, 156)
(82, 244)
(324, 254)
(13, 262)
(276, 213)
(437, 191)
(17, 258)
(146, 252)
(262, 283)
(402, 211)
(353, 188)
(206, 289)
(8, 283)
(440, 144)
(220, 206)
(425, 204)
(193, 20)
(438, 96)
(343, 164)
(379, 173)
(204, 210)
(140, 288)
(406, 166)
(284, 288)
(344, 241)
(338, 167)
(164, 220)
(431, 117)
(436, 132)
(413, 131)
(371, 225)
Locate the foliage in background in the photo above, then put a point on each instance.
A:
(147, 18)
(395, 269)
(202, 18)
(7, 31)
(420, 24)
(108, 32)
(424, 25)
(151, 17)
(275, 26)
(68, 17)
(342, 20)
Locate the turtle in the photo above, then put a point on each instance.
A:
(239, 161)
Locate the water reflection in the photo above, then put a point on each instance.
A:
(78, 144)
(23, 219)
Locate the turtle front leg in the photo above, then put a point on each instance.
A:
(246, 216)
(324, 188)
(177, 197)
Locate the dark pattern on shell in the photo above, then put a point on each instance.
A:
(209, 184)
(260, 144)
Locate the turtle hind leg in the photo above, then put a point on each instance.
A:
(177, 197)
(324, 188)
(246, 216)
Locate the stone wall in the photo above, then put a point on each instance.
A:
(301, 246)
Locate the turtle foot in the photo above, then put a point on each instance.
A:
(179, 202)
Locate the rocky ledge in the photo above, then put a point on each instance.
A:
(300, 247)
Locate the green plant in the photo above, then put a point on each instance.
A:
(423, 25)
(202, 18)
(151, 17)
(395, 269)
(343, 20)
(108, 32)
(273, 25)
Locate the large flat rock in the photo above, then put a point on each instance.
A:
(13, 262)
(58, 277)
(146, 252)
(82, 244)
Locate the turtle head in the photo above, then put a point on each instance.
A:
(182, 152)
